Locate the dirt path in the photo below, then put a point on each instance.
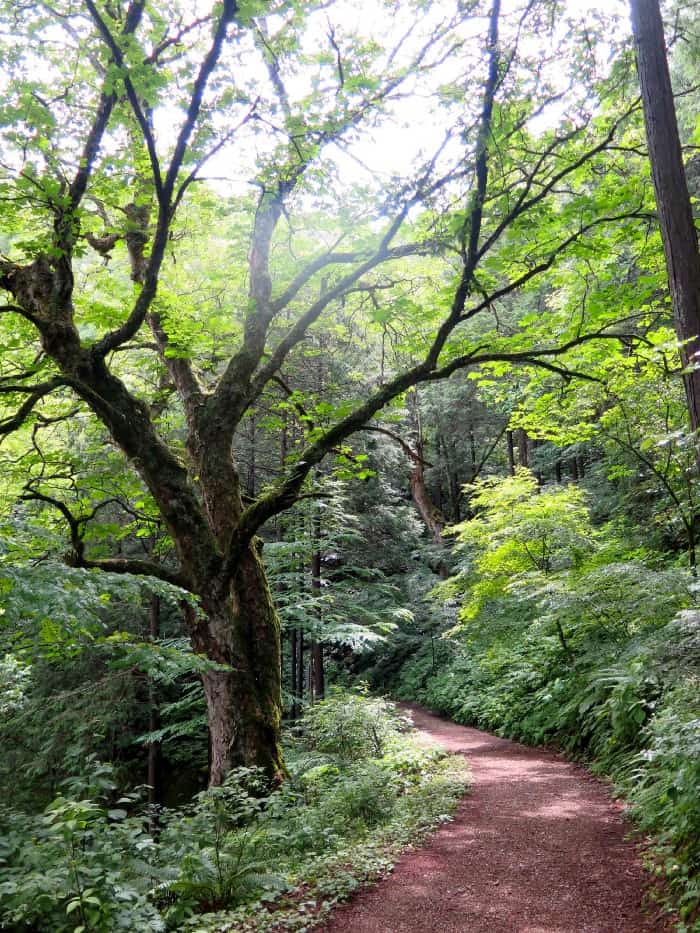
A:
(536, 847)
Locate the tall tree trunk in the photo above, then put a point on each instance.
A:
(153, 780)
(318, 676)
(429, 512)
(671, 188)
(511, 452)
(299, 688)
(523, 448)
(242, 632)
(294, 712)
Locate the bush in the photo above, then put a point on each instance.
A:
(79, 866)
(352, 725)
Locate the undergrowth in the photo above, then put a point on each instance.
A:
(239, 857)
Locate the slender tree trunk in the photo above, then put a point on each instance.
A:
(472, 451)
(300, 668)
(523, 448)
(294, 712)
(153, 780)
(318, 672)
(432, 516)
(318, 678)
(534, 444)
(671, 188)
(511, 452)
(692, 556)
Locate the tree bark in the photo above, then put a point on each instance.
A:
(318, 674)
(523, 448)
(153, 780)
(242, 633)
(671, 189)
(299, 687)
(294, 711)
(511, 452)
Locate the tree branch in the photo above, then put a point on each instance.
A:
(104, 108)
(77, 558)
(35, 394)
(165, 187)
(131, 94)
(407, 449)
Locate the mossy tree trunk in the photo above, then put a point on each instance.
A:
(242, 636)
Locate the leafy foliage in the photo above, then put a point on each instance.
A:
(88, 861)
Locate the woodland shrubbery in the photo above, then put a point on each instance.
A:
(563, 638)
(97, 860)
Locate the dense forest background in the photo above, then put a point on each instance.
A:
(340, 360)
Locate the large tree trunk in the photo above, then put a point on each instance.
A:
(670, 185)
(242, 632)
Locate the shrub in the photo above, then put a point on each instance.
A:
(352, 725)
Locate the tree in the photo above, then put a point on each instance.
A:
(678, 231)
(103, 150)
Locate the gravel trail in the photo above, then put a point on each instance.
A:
(537, 846)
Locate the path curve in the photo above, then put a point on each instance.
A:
(537, 846)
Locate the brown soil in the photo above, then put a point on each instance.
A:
(537, 846)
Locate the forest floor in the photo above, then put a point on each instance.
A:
(537, 846)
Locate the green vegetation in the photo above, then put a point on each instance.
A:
(360, 789)
(336, 348)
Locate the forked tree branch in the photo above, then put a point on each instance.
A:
(77, 557)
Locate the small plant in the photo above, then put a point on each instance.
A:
(353, 725)
(214, 845)
(82, 866)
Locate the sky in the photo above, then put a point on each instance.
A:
(414, 125)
